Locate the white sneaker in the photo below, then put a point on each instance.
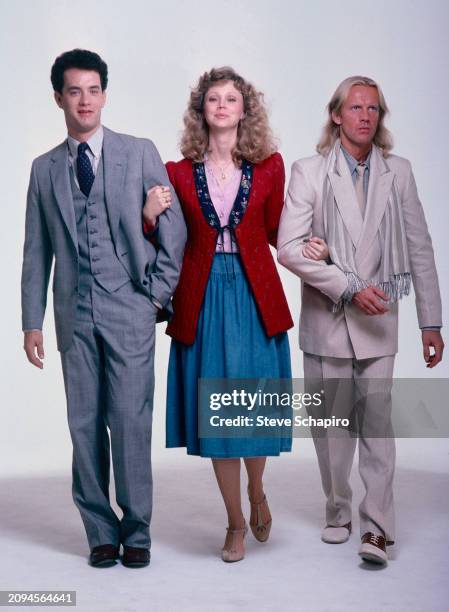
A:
(336, 535)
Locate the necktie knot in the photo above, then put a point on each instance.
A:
(82, 148)
(360, 168)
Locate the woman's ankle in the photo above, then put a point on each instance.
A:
(236, 523)
(255, 492)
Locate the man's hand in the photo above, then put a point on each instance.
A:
(368, 302)
(33, 344)
(432, 337)
(316, 249)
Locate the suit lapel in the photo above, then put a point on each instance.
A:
(345, 196)
(379, 187)
(60, 179)
(115, 162)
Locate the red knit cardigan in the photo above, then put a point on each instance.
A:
(256, 230)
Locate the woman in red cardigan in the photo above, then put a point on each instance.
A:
(230, 312)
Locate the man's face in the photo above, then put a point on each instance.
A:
(358, 117)
(81, 100)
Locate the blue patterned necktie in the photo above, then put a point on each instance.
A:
(84, 169)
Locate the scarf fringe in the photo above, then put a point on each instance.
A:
(395, 289)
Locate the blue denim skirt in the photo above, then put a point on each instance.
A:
(230, 343)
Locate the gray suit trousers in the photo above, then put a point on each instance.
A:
(109, 382)
(335, 449)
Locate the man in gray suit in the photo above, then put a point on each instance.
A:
(110, 283)
(358, 203)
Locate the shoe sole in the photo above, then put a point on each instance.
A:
(135, 565)
(104, 564)
(373, 557)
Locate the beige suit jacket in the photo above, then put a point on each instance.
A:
(350, 332)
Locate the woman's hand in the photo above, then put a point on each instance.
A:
(157, 201)
(316, 249)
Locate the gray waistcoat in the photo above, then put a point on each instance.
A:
(97, 259)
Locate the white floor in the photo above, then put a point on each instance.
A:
(43, 544)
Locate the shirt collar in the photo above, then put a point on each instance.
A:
(95, 143)
(352, 162)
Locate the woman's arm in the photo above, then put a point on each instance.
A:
(275, 201)
(158, 199)
(316, 249)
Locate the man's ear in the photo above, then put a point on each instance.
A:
(336, 118)
(58, 98)
(104, 97)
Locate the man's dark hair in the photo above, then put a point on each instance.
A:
(78, 58)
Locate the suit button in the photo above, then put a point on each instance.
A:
(145, 282)
(90, 203)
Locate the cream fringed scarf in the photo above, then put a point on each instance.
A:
(394, 272)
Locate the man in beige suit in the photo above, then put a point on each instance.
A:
(358, 204)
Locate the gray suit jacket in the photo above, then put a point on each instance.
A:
(131, 167)
(350, 332)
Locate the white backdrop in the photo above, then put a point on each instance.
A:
(296, 51)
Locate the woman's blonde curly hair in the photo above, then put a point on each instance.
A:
(255, 140)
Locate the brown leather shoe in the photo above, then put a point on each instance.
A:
(135, 557)
(373, 548)
(105, 555)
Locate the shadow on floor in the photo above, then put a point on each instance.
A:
(188, 511)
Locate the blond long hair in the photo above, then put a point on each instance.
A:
(255, 140)
(331, 131)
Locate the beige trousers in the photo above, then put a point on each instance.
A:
(351, 389)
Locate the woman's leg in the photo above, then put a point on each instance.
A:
(255, 467)
(260, 520)
(227, 472)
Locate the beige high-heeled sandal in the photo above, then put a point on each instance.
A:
(261, 530)
(231, 555)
